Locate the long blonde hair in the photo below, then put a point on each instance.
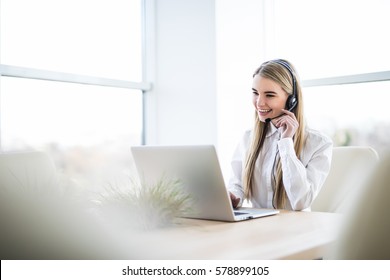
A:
(279, 73)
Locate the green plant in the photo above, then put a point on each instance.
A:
(142, 206)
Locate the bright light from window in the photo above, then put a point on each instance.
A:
(355, 114)
(86, 129)
(90, 37)
(38, 112)
(332, 38)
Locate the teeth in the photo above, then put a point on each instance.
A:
(264, 111)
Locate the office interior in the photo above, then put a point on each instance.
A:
(83, 81)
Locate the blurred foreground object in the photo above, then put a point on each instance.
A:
(142, 206)
(367, 225)
(40, 220)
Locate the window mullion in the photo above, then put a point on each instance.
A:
(32, 73)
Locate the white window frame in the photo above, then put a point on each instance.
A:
(348, 79)
(47, 75)
(269, 42)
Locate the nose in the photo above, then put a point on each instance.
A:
(259, 101)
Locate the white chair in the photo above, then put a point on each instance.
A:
(366, 230)
(27, 170)
(40, 221)
(349, 168)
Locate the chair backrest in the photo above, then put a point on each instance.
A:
(39, 221)
(33, 169)
(349, 168)
(366, 229)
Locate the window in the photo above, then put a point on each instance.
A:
(353, 114)
(71, 83)
(99, 38)
(330, 38)
(342, 58)
(339, 49)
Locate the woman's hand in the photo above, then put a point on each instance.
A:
(288, 122)
(235, 200)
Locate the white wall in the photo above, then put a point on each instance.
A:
(200, 56)
(240, 50)
(181, 61)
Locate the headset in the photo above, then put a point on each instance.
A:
(292, 99)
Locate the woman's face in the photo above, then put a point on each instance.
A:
(268, 98)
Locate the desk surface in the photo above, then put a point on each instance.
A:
(287, 235)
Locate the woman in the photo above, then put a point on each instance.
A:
(280, 163)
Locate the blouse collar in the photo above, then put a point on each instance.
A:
(272, 129)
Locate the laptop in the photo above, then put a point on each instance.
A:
(198, 170)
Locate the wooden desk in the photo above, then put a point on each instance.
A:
(288, 235)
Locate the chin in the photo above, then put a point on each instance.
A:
(261, 118)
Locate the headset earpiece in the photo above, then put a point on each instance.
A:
(292, 100)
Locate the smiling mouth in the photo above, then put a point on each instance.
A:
(265, 111)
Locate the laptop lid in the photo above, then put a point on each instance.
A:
(198, 169)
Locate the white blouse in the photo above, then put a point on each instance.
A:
(302, 178)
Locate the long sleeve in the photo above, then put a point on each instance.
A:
(303, 178)
(235, 185)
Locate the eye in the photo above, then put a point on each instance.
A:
(255, 93)
(270, 95)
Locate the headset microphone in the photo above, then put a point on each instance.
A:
(270, 119)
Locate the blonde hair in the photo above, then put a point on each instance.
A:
(280, 74)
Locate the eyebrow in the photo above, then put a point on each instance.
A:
(266, 92)
(270, 91)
